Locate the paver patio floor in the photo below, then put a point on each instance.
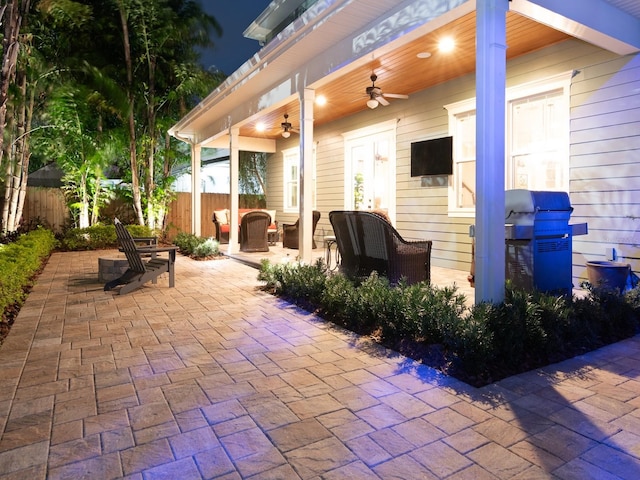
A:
(217, 379)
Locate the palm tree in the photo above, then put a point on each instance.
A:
(137, 81)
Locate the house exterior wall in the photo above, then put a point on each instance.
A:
(605, 152)
(605, 161)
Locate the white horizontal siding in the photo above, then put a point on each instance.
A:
(604, 156)
(605, 161)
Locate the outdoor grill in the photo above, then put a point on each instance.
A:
(538, 240)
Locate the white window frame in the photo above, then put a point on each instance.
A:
(455, 110)
(290, 158)
(353, 138)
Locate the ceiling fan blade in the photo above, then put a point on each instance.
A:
(396, 95)
(381, 100)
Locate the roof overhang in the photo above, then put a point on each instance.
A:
(336, 44)
(594, 21)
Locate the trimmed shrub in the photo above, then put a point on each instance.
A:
(478, 345)
(98, 237)
(196, 247)
(20, 261)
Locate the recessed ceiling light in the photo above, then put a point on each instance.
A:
(260, 127)
(321, 100)
(423, 55)
(446, 44)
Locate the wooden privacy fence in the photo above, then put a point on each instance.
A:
(179, 217)
(48, 207)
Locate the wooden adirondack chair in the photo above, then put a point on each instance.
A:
(141, 271)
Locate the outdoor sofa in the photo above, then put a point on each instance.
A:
(221, 219)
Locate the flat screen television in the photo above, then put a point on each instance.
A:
(432, 157)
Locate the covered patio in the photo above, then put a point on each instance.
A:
(217, 379)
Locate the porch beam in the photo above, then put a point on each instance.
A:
(490, 149)
(306, 176)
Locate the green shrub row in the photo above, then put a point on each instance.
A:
(479, 344)
(20, 261)
(98, 237)
(196, 247)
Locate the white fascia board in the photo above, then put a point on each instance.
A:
(594, 21)
(248, 144)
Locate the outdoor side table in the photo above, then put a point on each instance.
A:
(331, 253)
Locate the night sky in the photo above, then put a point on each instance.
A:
(232, 49)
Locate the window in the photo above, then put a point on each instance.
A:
(291, 162)
(291, 178)
(370, 168)
(537, 142)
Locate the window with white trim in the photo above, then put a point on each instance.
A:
(537, 142)
(291, 162)
(370, 168)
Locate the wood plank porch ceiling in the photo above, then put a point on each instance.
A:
(401, 71)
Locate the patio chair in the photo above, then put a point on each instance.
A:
(253, 231)
(291, 236)
(141, 271)
(367, 243)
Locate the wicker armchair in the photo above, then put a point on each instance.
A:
(367, 243)
(290, 235)
(253, 231)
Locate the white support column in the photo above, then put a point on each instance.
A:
(234, 166)
(306, 176)
(490, 149)
(196, 189)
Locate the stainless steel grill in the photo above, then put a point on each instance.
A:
(538, 240)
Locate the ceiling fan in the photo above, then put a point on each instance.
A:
(287, 128)
(376, 97)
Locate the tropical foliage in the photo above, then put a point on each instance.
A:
(95, 86)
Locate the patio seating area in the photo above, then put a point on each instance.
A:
(215, 378)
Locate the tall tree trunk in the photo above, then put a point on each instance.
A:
(11, 14)
(17, 156)
(22, 155)
(135, 179)
(151, 119)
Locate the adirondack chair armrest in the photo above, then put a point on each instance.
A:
(153, 250)
(146, 240)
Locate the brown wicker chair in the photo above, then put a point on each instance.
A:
(291, 236)
(367, 243)
(253, 231)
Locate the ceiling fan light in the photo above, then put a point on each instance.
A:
(372, 103)
(286, 134)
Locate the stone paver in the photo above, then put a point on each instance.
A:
(216, 379)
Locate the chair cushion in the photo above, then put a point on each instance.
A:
(222, 216)
(272, 214)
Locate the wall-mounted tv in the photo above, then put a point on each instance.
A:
(432, 157)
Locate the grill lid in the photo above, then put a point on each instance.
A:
(522, 206)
